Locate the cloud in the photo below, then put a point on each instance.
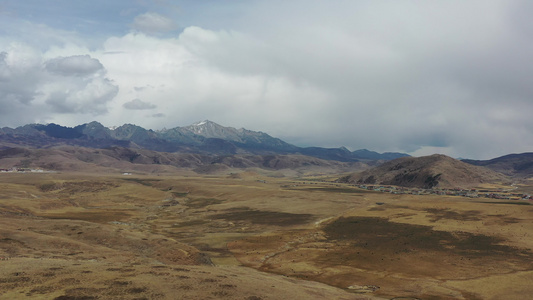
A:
(395, 77)
(90, 97)
(77, 65)
(20, 73)
(153, 23)
(77, 84)
(34, 89)
(5, 72)
(447, 76)
(138, 104)
(324, 85)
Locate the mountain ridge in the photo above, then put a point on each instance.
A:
(205, 137)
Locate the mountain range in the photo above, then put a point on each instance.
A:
(204, 137)
(207, 147)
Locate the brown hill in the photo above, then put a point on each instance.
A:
(70, 158)
(427, 172)
(515, 165)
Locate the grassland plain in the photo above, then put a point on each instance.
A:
(91, 236)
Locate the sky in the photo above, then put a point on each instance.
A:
(420, 77)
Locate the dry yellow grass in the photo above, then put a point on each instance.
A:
(70, 236)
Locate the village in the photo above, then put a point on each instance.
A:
(500, 194)
(24, 170)
(470, 193)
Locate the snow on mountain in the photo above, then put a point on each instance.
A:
(201, 137)
(211, 129)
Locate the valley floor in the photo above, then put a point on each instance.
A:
(244, 236)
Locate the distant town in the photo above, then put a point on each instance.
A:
(25, 170)
(500, 194)
(470, 193)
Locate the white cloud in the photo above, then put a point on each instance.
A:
(76, 84)
(78, 96)
(188, 87)
(153, 23)
(90, 97)
(5, 72)
(21, 72)
(34, 89)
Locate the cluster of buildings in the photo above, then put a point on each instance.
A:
(471, 193)
(23, 170)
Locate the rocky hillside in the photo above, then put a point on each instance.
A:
(427, 172)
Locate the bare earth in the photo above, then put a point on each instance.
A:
(244, 236)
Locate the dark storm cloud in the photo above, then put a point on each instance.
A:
(77, 65)
(138, 104)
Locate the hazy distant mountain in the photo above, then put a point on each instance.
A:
(343, 154)
(427, 172)
(204, 137)
(113, 159)
(340, 154)
(516, 165)
(371, 155)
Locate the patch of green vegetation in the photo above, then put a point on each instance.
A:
(439, 214)
(385, 206)
(381, 235)
(90, 216)
(202, 202)
(508, 202)
(179, 195)
(146, 182)
(265, 217)
(337, 190)
(190, 223)
(73, 187)
(48, 187)
(25, 163)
